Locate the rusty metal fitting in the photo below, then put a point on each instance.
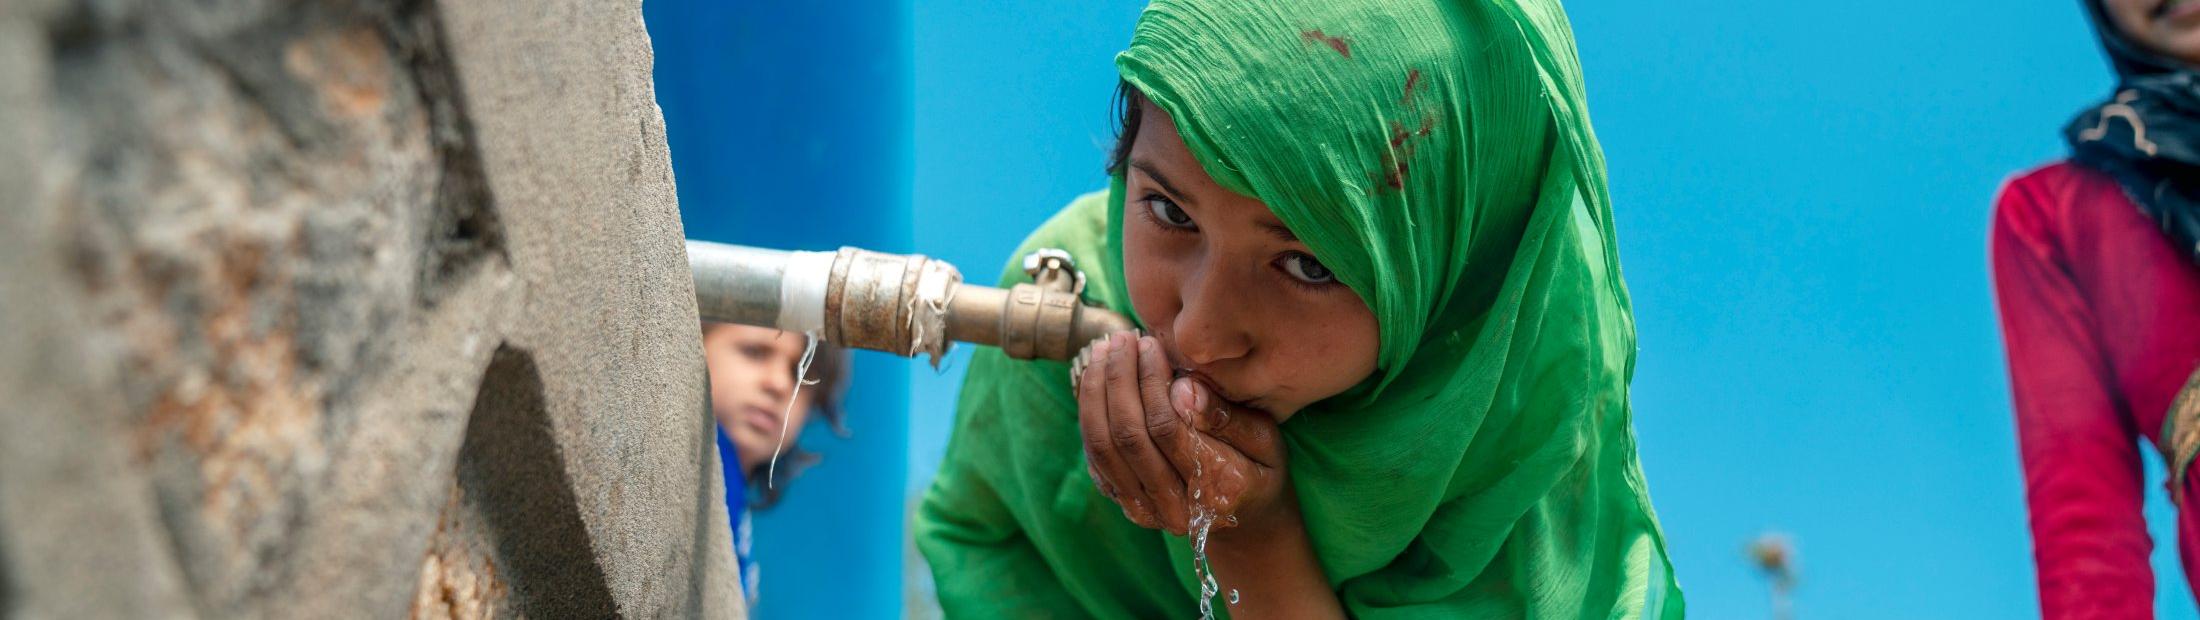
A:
(904, 304)
(889, 302)
(1044, 319)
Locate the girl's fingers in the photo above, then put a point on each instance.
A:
(1098, 482)
(1179, 445)
(1108, 473)
(1163, 426)
(1250, 431)
(1167, 424)
(1222, 467)
(1127, 434)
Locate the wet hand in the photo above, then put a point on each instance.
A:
(1158, 445)
(1238, 458)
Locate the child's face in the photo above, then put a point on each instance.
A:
(751, 377)
(2168, 27)
(1229, 291)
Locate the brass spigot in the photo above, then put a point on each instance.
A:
(904, 304)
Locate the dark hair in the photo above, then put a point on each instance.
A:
(1129, 104)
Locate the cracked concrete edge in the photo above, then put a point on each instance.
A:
(426, 418)
(589, 201)
(720, 595)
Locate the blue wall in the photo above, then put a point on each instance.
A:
(789, 127)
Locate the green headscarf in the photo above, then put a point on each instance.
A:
(1438, 158)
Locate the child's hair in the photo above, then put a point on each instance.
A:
(1129, 103)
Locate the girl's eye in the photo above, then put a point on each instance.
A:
(1305, 269)
(1168, 213)
(756, 352)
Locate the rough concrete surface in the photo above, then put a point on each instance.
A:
(346, 308)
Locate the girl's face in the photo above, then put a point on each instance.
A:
(751, 377)
(2168, 27)
(1230, 292)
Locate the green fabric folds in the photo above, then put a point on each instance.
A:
(1438, 157)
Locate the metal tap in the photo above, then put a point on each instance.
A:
(904, 304)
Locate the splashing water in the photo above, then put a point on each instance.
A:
(809, 353)
(1203, 519)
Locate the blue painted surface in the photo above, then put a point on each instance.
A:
(789, 128)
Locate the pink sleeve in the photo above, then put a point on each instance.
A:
(2080, 450)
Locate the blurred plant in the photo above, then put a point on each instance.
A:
(1773, 553)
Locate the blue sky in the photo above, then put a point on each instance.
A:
(1802, 191)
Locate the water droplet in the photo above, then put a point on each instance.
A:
(1233, 596)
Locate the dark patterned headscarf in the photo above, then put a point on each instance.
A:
(2147, 135)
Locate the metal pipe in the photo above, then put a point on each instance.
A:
(737, 283)
(904, 304)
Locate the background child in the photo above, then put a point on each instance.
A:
(752, 379)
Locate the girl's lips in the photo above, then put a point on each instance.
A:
(1185, 369)
(1217, 389)
(2178, 11)
(761, 420)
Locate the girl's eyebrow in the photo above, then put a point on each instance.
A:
(1279, 231)
(1155, 173)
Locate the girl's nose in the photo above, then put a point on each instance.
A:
(1209, 327)
(778, 381)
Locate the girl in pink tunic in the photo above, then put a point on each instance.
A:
(2097, 269)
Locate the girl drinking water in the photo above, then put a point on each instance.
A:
(1385, 346)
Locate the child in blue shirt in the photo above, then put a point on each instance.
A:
(752, 380)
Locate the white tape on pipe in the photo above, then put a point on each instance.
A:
(936, 286)
(802, 292)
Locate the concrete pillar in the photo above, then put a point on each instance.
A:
(349, 308)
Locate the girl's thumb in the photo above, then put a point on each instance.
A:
(1191, 400)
